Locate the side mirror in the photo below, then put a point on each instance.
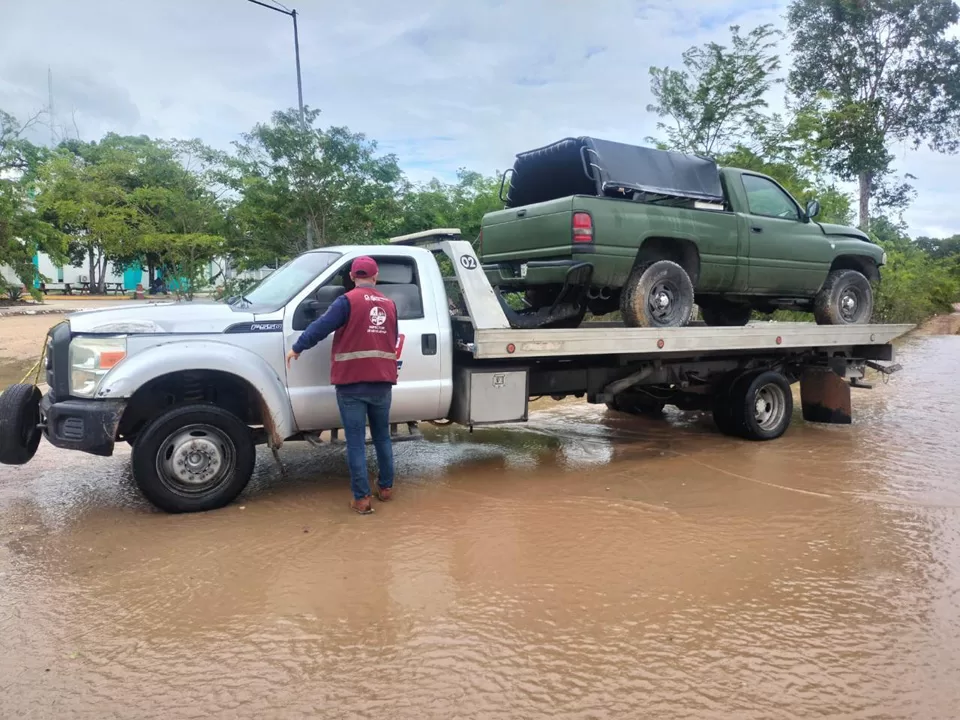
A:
(813, 209)
(324, 298)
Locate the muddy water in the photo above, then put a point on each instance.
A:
(588, 565)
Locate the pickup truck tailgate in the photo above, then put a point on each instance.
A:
(541, 230)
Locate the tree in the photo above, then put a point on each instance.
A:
(86, 196)
(23, 233)
(719, 99)
(462, 204)
(886, 71)
(289, 177)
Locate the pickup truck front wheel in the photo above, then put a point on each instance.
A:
(657, 294)
(846, 298)
(193, 458)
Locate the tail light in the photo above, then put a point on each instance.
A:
(582, 227)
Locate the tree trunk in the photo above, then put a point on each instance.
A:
(866, 180)
(92, 277)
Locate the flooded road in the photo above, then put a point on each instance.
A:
(586, 565)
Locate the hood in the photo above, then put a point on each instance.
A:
(137, 318)
(844, 231)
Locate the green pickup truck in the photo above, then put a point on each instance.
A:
(596, 225)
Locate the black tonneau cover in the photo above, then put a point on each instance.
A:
(588, 166)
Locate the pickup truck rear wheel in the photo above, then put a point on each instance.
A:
(846, 298)
(193, 458)
(657, 294)
(723, 313)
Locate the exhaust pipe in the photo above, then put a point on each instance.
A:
(593, 293)
(605, 293)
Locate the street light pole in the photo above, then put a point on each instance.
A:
(296, 49)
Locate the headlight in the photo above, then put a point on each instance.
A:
(90, 359)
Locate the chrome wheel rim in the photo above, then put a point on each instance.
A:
(770, 406)
(850, 302)
(195, 459)
(663, 302)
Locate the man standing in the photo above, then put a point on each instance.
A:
(364, 371)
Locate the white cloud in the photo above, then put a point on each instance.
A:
(441, 84)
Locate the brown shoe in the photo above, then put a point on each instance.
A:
(384, 494)
(362, 506)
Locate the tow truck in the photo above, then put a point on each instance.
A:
(195, 387)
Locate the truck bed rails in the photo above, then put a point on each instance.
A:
(489, 344)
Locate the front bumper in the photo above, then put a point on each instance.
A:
(89, 426)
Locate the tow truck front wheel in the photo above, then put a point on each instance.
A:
(193, 458)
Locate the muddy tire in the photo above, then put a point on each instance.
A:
(193, 458)
(19, 424)
(760, 406)
(723, 313)
(657, 294)
(636, 404)
(846, 298)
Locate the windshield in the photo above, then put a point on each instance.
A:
(280, 286)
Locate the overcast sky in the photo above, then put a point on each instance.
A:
(442, 84)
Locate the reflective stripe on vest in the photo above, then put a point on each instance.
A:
(365, 354)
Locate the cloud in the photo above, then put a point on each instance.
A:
(443, 85)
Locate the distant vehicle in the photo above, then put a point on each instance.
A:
(650, 233)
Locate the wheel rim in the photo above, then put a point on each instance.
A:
(770, 405)
(195, 459)
(663, 302)
(850, 302)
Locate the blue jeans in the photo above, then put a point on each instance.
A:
(354, 411)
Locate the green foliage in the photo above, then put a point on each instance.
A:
(915, 284)
(23, 233)
(884, 70)
(303, 187)
(719, 98)
(14, 292)
(460, 205)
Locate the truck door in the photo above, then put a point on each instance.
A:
(786, 254)
(417, 393)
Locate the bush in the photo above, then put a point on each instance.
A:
(14, 292)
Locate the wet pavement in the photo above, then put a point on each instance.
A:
(586, 565)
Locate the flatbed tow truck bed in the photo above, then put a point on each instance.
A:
(741, 374)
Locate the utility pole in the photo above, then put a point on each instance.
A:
(296, 49)
(53, 132)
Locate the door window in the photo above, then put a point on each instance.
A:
(765, 197)
(397, 279)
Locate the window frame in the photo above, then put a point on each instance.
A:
(793, 203)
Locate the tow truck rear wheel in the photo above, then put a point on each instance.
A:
(636, 403)
(19, 424)
(657, 294)
(757, 406)
(193, 458)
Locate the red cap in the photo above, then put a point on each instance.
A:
(364, 267)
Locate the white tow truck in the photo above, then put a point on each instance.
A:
(193, 388)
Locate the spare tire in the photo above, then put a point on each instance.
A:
(19, 424)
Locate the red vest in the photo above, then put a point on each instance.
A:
(365, 348)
